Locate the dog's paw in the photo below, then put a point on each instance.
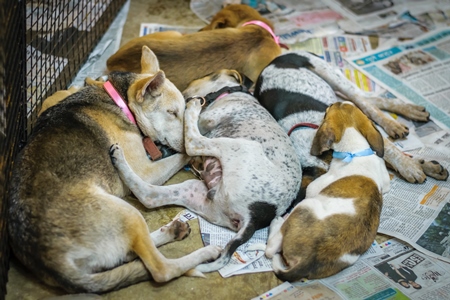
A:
(395, 129)
(434, 169)
(179, 230)
(415, 112)
(116, 154)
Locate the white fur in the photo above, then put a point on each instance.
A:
(324, 207)
(349, 258)
(369, 166)
(306, 82)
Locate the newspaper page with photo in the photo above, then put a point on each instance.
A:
(397, 272)
(415, 72)
(369, 14)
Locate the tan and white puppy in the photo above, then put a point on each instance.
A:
(338, 220)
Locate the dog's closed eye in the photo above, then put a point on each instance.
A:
(173, 112)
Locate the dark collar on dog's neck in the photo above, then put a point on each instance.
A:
(149, 145)
(302, 125)
(208, 99)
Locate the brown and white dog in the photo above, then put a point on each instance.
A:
(338, 220)
(68, 223)
(184, 58)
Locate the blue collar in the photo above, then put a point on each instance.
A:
(348, 156)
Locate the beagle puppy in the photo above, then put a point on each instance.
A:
(338, 220)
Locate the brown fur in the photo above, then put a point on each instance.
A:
(185, 58)
(67, 222)
(319, 249)
(321, 236)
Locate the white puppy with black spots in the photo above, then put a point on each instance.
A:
(297, 87)
(251, 173)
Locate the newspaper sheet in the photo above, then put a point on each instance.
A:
(369, 14)
(399, 272)
(294, 21)
(249, 257)
(417, 71)
(334, 48)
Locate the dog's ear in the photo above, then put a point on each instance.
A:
(151, 85)
(218, 23)
(323, 140)
(373, 136)
(149, 62)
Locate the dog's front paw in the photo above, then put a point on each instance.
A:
(179, 230)
(415, 112)
(395, 129)
(434, 169)
(116, 154)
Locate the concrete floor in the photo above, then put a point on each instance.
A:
(23, 285)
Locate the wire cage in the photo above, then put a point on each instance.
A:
(43, 45)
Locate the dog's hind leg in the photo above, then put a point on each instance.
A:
(413, 170)
(275, 238)
(340, 83)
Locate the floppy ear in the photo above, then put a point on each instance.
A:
(323, 140)
(149, 62)
(151, 85)
(373, 136)
(217, 24)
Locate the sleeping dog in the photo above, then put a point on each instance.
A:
(297, 87)
(338, 220)
(67, 221)
(251, 173)
(247, 48)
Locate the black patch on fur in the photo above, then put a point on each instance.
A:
(292, 60)
(261, 214)
(281, 103)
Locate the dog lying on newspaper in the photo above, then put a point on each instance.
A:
(67, 221)
(297, 87)
(247, 44)
(250, 170)
(338, 220)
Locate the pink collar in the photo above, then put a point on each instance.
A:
(149, 145)
(109, 88)
(222, 95)
(266, 27)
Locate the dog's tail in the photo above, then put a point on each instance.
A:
(242, 236)
(307, 269)
(291, 274)
(261, 214)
